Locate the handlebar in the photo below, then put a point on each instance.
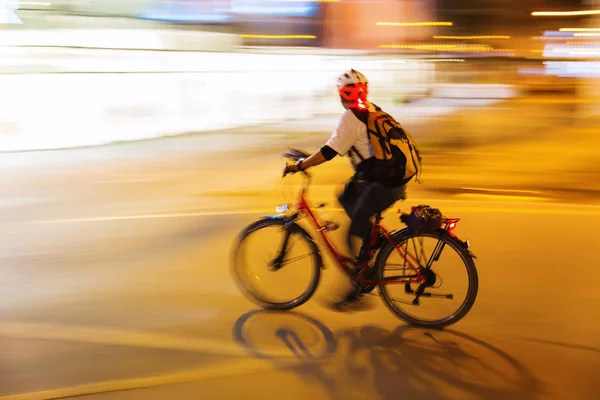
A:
(295, 155)
(287, 171)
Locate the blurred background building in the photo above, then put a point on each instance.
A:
(410, 49)
(113, 258)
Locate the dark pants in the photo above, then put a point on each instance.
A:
(362, 200)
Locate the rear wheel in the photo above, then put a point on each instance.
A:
(451, 281)
(284, 276)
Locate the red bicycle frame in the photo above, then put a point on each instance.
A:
(346, 263)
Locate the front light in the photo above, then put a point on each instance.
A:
(282, 208)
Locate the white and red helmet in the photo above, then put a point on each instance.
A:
(353, 85)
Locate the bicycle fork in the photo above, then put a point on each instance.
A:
(277, 262)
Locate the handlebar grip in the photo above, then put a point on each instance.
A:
(286, 171)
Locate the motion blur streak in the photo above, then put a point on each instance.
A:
(564, 13)
(138, 139)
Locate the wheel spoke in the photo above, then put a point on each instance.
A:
(461, 285)
(400, 266)
(395, 300)
(290, 260)
(259, 277)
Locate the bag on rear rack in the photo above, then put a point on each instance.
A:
(423, 218)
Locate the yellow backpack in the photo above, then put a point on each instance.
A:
(397, 158)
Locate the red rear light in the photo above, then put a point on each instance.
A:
(451, 223)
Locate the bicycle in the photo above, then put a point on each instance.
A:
(416, 270)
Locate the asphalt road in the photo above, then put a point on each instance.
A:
(115, 284)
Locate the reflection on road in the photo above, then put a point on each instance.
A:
(415, 362)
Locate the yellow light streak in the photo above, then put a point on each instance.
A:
(438, 23)
(564, 13)
(252, 36)
(472, 37)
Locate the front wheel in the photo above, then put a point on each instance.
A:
(451, 281)
(276, 264)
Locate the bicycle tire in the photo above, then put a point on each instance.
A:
(294, 229)
(455, 244)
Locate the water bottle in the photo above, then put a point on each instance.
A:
(327, 223)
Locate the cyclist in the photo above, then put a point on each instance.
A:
(365, 193)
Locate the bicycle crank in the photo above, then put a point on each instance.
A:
(429, 279)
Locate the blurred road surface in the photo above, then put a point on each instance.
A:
(115, 282)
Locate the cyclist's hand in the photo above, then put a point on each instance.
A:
(290, 169)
